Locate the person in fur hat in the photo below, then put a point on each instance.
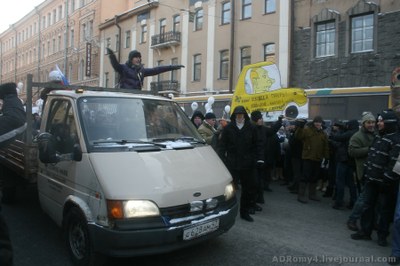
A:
(132, 73)
(12, 122)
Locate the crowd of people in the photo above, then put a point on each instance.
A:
(358, 156)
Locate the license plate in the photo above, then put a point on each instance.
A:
(200, 229)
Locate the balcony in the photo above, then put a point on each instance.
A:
(165, 87)
(167, 39)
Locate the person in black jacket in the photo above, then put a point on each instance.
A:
(344, 167)
(263, 134)
(242, 152)
(12, 122)
(132, 73)
(381, 183)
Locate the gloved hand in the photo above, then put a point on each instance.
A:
(178, 66)
(109, 51)
(260, 164)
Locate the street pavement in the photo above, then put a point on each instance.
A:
(286, 232)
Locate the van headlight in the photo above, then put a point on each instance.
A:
(229, 191)
(118, 209)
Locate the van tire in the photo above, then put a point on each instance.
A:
(78, 240)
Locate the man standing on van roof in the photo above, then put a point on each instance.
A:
(241, 151)
(132, 73)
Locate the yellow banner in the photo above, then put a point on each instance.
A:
(259, 88)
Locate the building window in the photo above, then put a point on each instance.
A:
(198, 25)
(72, 39)
(246, 9)
(81, 72)
(226, 13)
(70, 72)
(84, 32)
(82, 3)
(177, 23)
(174, 73)
(127, 39)
(73, 5)
(362, 33)
(54, 46)
(160, 76)
(54, 16)
(116, 42)
(59, 43)
(245, 56)
(48, 48)
(163, 24)
(60, 14)
(325, 39)
(224, 64)
(270, 6)
(106, 80)
(108, 43)
(143, 34)
(90, 30)
(197, 67)
(269, 52)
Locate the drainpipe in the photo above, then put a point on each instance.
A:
(66, 39)
(119, 38)
(39, 46)
(16, 54)
(232, 46)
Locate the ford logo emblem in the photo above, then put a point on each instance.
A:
(197, 194)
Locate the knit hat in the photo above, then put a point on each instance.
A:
(318, 119)
(388, 116)
(210, 116)
(256, 115)
(367, 116)
(8, 88)
(133, 54)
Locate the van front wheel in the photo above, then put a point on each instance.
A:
(77, 238)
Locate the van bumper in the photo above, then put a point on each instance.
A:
(154, 241)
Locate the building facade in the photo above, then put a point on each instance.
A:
(61, 33)
(212, 39)
(345, 43)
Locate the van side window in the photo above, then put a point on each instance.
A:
(61, 124)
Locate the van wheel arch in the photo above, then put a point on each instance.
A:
(77, 238)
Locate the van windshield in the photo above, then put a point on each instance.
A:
(119, 121)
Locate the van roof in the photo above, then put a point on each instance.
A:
(84, 93)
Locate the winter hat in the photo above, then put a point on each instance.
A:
(388, 116)
(318, 119)
(210, 116)
(256, 115)
(8, 88)
(133, 54)
(367, 116)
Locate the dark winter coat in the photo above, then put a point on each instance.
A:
(340, 141)
(240, 148)
(131, 77)
(13, 116)
(264, 135)
(382, 157)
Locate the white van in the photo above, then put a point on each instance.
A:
(128, 174)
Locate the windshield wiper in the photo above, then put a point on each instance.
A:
(182, 138)
(126, 141)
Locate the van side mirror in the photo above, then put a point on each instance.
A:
(77, 153)
(47, 151)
